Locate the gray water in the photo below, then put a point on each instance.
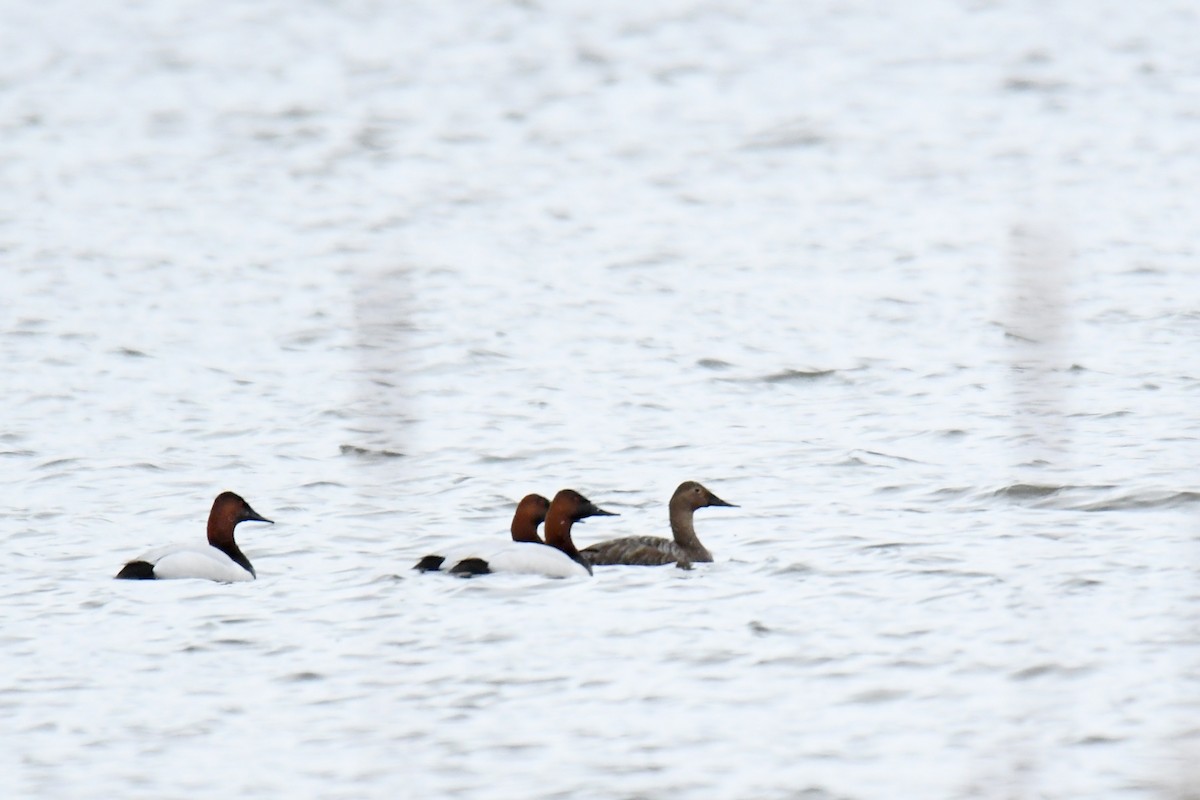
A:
(914, 285)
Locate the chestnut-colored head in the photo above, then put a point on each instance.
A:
(570, 504)
(228, 510)
(691, 494)
(569, 507)
(530, 513)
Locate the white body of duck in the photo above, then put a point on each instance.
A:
(194, 561)
(557, 558)
(530, 513)
(522, 558)
(219, 560)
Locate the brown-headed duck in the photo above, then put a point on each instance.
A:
(530, 513)
(654, 551)
(557, 558)
(219, 560)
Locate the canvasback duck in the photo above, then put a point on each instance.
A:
(557, 558)
(530, 513)
(652, 551)
(219, 560)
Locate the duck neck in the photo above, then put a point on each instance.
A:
(558, 534)
(685, 532)
(525, 530)
(220, 536)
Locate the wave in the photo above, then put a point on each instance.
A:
(1094, 498)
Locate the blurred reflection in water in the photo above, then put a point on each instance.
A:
(1037, 326)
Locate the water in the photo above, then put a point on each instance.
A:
(913, 285)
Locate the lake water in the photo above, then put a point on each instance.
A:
(915, 285)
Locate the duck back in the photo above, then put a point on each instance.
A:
(642, 551)
(186, 561)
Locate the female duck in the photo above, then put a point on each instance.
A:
(557, 558)
(530, 513)
(220, 560)
(652, 550)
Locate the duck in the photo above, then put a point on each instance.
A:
(557, 557)
(653, 551)
(219, 560)
(530, 513)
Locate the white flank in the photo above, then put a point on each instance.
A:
(526, 558)
(194, 561)
(533, 559)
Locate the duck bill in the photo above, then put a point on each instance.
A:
(713, 500)
(250, 515)
(593, 510)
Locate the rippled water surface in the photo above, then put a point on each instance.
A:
(915, 285)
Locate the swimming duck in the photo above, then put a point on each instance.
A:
(530, 513)
(219, 560)
(655, 551)
(557, 558)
